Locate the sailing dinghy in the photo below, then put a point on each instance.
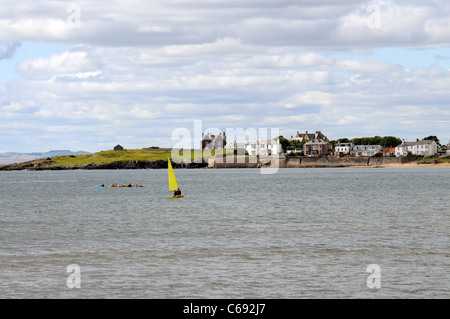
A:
(173, 185)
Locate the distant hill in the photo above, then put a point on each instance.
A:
(10, 158)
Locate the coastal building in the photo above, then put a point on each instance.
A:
(257, 147)
(343, 148)
(306, 137)
(118, 148)
(389, 151)
(316, 147)
(423, 147)
(210, 141)
(263, 147)
(366, 150)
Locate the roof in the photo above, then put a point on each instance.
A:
(423, 142)
(309, 136)
(366, 147)
(316, 141)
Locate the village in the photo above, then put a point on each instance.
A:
(318, 145)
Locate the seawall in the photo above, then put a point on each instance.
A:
(304, 162)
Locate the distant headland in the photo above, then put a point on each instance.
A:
(14, 157)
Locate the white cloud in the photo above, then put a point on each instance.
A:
(67, 62)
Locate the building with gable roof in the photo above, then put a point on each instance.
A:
(210, 141)
(306, 137)
(423, 147)
(317, 147)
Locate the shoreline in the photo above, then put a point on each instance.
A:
(408, 165)
(94, 167)
(72, 163)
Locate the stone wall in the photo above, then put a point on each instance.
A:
(298, 162)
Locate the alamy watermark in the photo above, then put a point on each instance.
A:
(374, 279)
(74, 279)
(257, 146)
(74, 18)
(374, 19)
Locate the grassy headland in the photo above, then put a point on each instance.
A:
(135, 158)
(107, 157)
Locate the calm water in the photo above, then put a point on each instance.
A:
(301, 233)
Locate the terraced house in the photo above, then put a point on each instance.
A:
(366, 150)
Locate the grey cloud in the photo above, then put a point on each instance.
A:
(8, 49)
(325, 24)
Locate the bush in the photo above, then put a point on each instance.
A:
(378, 155)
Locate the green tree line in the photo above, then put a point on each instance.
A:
(386, 141)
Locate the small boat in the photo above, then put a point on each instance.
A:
(124, 185)
(173, 184)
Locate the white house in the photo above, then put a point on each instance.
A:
(263, 147)
(258, 147)
(366, 150)
(424, 147)
(343, 148)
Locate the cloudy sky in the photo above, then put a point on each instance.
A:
(87, 75)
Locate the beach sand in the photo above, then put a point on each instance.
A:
(408, 165)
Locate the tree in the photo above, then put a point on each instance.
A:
(285, 144)
(296, 145)
(433, 138)
(390, 141)
(386, 141)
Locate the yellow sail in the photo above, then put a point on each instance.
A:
(173, 185)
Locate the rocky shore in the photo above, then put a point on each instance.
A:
(48, 165)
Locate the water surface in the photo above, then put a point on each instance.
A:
(300, 233)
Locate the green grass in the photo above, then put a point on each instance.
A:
(135, 155)
(106, 157)
(431, 159)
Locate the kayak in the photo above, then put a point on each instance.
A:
(101, 186)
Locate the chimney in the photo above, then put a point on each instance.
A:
(417, 140)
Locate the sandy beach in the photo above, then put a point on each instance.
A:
(408, 165)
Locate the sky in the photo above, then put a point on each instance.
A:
(88, 75)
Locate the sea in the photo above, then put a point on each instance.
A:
(300, 233)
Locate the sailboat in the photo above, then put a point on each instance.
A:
(173, 185)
